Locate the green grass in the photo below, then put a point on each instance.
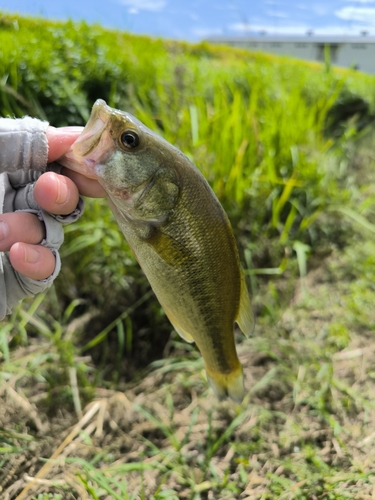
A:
(93, 376)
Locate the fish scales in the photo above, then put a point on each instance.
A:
(179, 233)
(195, 291)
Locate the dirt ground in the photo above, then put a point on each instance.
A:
(305, 429)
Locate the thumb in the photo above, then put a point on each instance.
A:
(60, 140)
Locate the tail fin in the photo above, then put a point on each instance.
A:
(225, 385)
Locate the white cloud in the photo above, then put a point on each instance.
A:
(317, 8)
(362, 14)
(194, 16)
(320, 10)
(274, 13)
(206, 32)
(137, 5)
(360, 1)
(224, 7)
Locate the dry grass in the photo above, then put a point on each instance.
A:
(305, 430)
(98, 398)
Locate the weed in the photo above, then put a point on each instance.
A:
(99, 399)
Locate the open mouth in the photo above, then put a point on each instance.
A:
(89, 139)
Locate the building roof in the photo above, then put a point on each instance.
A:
(293, 39)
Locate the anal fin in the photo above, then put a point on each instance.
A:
(245, 318)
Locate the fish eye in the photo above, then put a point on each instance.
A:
(129, 139)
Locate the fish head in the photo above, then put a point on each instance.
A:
(129, 160)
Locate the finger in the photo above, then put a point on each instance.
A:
(20, 226)
(87, 187)
(60, 140)
(34, 261)
(56, 194)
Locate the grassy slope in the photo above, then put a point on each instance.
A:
(254, 125)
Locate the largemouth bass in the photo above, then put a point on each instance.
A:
(178, 232)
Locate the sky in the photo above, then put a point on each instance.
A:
(195, 20)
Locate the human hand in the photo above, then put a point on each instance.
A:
(21, 232)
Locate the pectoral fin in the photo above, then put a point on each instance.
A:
(245, 317)
(169, 249)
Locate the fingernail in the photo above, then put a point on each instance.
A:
(4, 230)
(32, 255)
(62, 192)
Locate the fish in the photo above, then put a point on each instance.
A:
(178, 232)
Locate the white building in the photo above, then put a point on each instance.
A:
(356, 52)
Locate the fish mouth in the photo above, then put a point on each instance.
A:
(93, 145)
(95, 127)
(97, 141)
